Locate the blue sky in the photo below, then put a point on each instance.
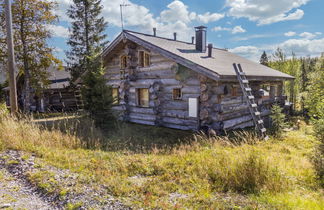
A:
(245, 27)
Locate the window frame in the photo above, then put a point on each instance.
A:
(179, 94)
(115, 99)
(138, 97)
(144, 59)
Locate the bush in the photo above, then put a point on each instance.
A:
(278, 121)
(318, 159)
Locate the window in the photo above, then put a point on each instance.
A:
(123, 62)
(144, 59)
(234, 91)
(143, 97)
(115, 96)
(123, 66)
(177, 94)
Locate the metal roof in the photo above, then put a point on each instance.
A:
(220, 65)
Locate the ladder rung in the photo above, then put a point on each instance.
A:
(254, 105)
(245, 81)
(248, 89)
(257, 113)
(251, 97)
(242, 73)
(260, 121)
(263, 130)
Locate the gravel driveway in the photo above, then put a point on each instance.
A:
(14, 194)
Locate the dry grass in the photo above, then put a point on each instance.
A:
(189, 174)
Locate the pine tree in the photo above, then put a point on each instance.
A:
(33, 54)
(96, 94)
(87, 36)
(264, 59)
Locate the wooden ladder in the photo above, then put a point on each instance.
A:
(79, 100)
(253, 107)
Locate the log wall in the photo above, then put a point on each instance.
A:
(160, 79)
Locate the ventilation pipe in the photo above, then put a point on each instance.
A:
(154, 31)
(210, 50)
(174, 36)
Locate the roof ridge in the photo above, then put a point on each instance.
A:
(169, 39)
(156, 36)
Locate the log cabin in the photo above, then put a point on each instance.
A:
(55, 96)
(185, 85)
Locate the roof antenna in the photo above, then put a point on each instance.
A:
(121, 13)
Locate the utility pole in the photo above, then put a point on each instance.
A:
(11, 60)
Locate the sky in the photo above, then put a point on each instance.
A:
(244, 27)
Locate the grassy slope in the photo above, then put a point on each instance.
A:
(202, 173)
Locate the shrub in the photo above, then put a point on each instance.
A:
(318, 158)
(278, 121)
(251, 174)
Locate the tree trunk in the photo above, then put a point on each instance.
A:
(27, 89)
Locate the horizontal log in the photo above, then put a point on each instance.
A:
(142, 121)
(139, 116)
(157, 66)
(166, 74)
(180, 127)
(181, 114)
(232, 100)
(142, 110)
(174, 105)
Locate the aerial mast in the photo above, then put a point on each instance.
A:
(121, 14)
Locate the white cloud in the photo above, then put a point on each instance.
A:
(238, 29)
(290, 33)
(59, 31)
(307, 35)
(253, 36)
(250, 52)
(176, 17)
(235, 30)
(219, 28)
(301, 47)
(209, 17)
(265, 11)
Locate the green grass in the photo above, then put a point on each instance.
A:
(192, 171)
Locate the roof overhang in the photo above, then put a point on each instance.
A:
(255, 78)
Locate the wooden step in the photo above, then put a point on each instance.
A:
(257, 113)
(242, 73)
(248, 89)
(251, 97)
(263, 130)
(260, 121)
(245, 81)
(254, 105)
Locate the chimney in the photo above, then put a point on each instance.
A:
(192, 40)
(210, 50)
(201, 38)
(174, 36)
(154, 31)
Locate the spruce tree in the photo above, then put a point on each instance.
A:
(264, 59)
(87, 36)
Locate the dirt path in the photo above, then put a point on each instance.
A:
(14, 194)
(27, 182)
